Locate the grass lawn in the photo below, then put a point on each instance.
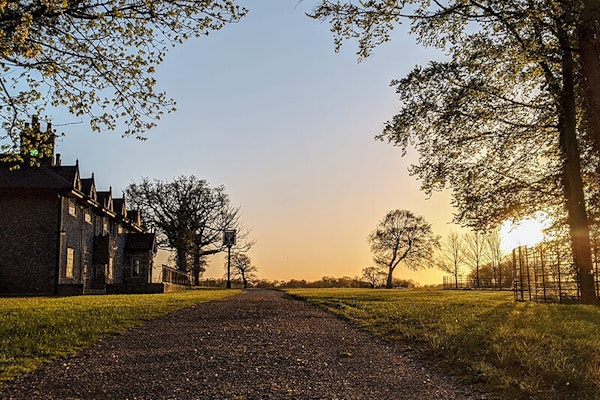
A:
(520, 350)
(34, 330)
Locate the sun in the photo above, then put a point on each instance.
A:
(527, 232)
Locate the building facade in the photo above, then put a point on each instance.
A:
(59, 235)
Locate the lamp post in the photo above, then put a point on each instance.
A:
(229, 240)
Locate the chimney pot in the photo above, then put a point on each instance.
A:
(35, 124)
(58, 160)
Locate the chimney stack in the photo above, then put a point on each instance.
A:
(37, 145)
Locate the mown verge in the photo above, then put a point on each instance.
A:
(519, 350)
(34, 330)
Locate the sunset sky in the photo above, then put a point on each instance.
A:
(268, 109)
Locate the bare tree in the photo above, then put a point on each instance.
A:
(374, 276)
(452, 256)
(241, 266)
(402, 237)
(475, 252)
(495, 255)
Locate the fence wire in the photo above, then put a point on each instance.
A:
(545, 273)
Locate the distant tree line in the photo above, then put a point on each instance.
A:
(325, 282)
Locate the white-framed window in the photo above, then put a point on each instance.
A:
(70, 262)
(72, 208)
(135, 267)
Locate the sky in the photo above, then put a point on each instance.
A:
(266, 108)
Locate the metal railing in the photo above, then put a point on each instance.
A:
(175, 276)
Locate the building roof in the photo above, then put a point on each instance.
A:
(134, 216)
(119, 207)
(70, 173)
(105, 199)
(64, 180)
(141, 241)
(27, 177)
(88, 187)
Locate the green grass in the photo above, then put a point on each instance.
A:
(34, 330)
(519, 350)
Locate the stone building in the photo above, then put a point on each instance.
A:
(60, 235)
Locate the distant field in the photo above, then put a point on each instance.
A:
(522, 350)
(34, 330)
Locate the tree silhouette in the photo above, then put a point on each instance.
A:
(402, 237)
(189, 216)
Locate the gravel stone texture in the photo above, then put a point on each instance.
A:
(261, 344)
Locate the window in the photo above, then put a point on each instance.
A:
(72, 209)
(88, 217)
(120, 229)
(110, 270)
(105, 224)
(135, 267)
(70, 262)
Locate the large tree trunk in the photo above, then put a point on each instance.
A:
(572, 181)
(390, 284)
(182, 258)
(197, 266)
(588, 30)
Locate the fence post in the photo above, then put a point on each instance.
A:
(520, 273)
(559, 275)
(543, 272)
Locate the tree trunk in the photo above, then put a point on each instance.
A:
(197, 266)
(500, 274)
(389, 284)
(572, 181)
(589, 52)
(196, 276)
(182, 259)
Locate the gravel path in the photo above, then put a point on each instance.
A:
(258, 345)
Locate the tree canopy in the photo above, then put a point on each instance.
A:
(189, 216)
(96, 58)
(508, 121)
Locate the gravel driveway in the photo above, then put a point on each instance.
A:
(258, 345)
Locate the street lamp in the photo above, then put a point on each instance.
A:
(229, 240)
